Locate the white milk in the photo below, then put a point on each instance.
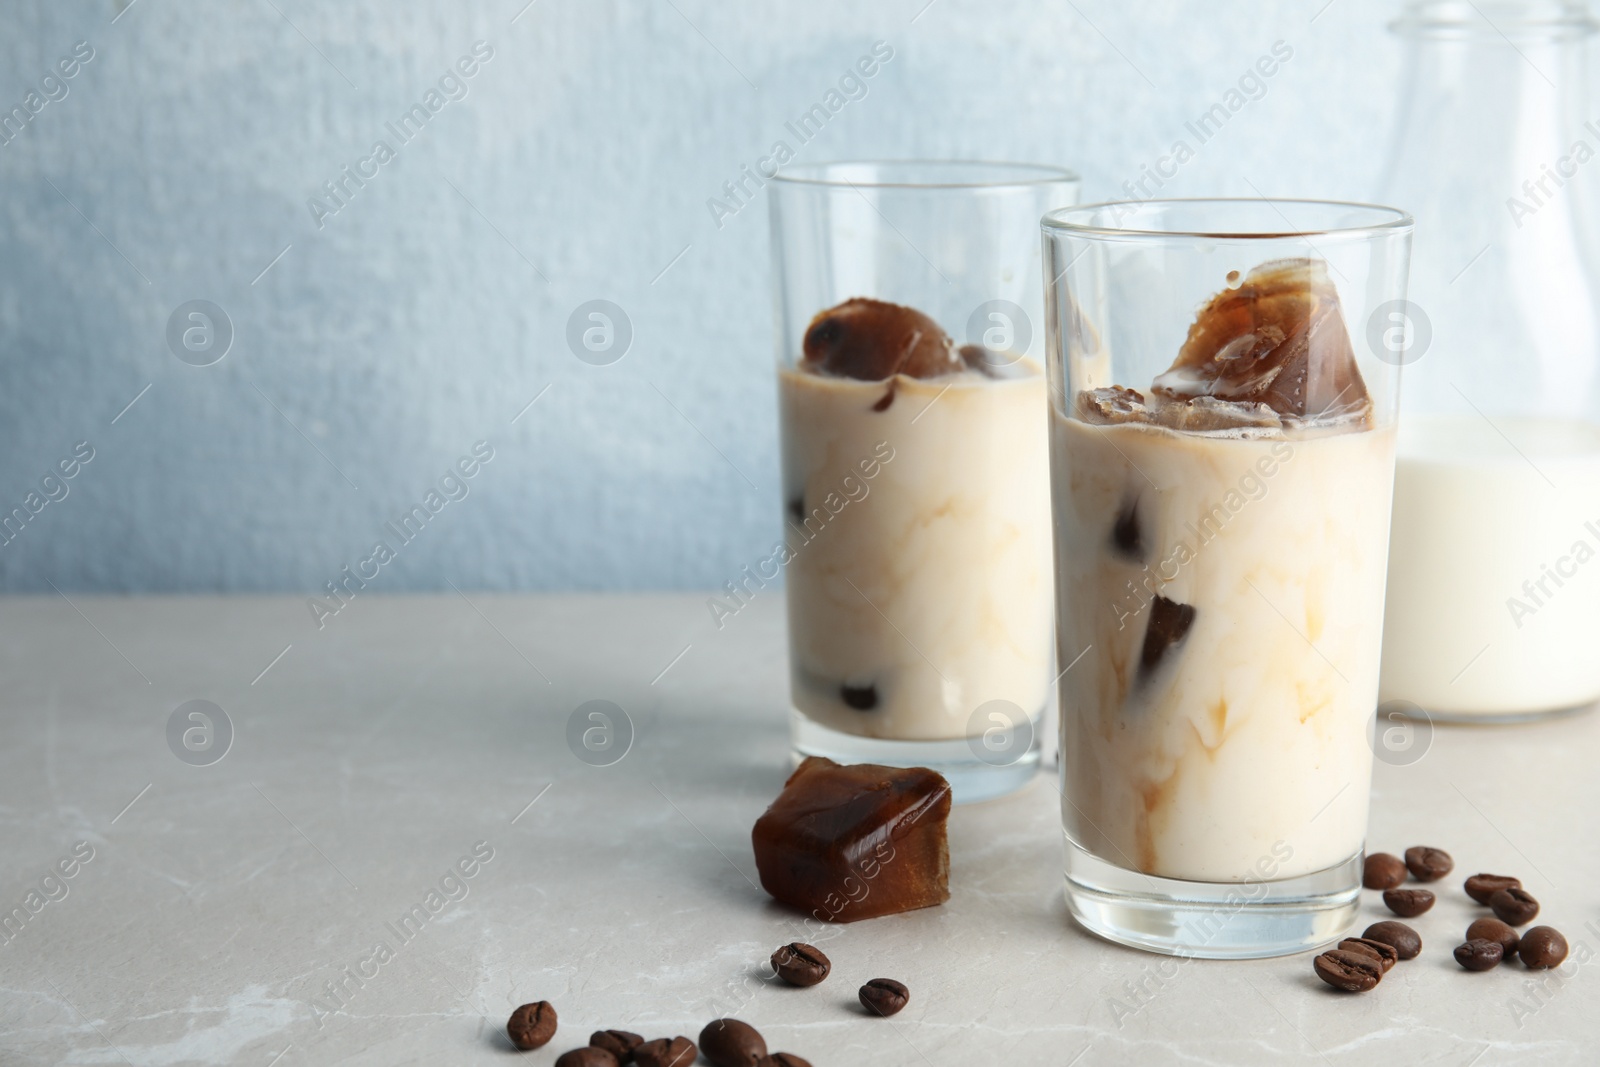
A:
(1494, 566)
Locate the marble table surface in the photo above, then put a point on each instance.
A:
(251, 909)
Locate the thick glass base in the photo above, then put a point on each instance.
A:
(973, 771)
(1212, 920)
(1497, 718)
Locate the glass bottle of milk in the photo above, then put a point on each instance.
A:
(1493, 607)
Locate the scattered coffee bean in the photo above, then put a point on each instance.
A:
(782, 1059)
(1404, 940)
(1428, 864)
(1383, 870)
(666, 1052)
(1494, 930)
(1481, 887)
(1385, 953)
(1515, 905)
(532, 1025)
(1542, 947)
(588, 1056)
(800, 964)
(1479, 954)
(1407, 903)
(1352, 972)
(884, 996)
(731, 1043)
(620, 1043)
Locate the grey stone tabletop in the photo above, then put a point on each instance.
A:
(375, 842)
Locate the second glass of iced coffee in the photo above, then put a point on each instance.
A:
(912, 412)
(1222, 457)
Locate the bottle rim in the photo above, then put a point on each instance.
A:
(1496, 20)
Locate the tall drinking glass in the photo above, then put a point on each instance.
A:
(1222, 457)
(912, 413)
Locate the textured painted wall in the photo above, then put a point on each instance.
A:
(378, 336)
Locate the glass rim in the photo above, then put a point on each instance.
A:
(1015, 175)
(1386, 219)
(1462, 19)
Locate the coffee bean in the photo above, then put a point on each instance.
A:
(1542, 947)
(884, 996)
(666, 1052)
(1382, 870)
(1384, 952)
(731, 1043)
(588, 1056)
(782, 1059)
(1404, 940)
(532, 1025)
(1481, 887)
(1515, 905)
(1407, 903)
(1352, 972)
(1479, 954)
(1494, 930)
(800, 964)
(620, 1043)
(1428, 864)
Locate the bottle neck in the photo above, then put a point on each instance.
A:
(1494, 147)
(1506, 115)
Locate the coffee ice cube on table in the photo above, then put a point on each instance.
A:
(844, 843)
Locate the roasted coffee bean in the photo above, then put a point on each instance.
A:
(666, 1052)
(1494, 930)
(1383, 870)
(884, 996)
(1407, 903)
(1515, 905)
(1384, 952)
(800, 964)
(588, 1056)
(1481, 887)
(1542, 947)
(532, 1025)
(782, 1059)
(620, 1043)
(1404, 940)
(731, 1043)
(1428, 864)
(1353, 972)
(1479, 954)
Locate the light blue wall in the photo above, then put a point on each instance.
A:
(423, 315)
